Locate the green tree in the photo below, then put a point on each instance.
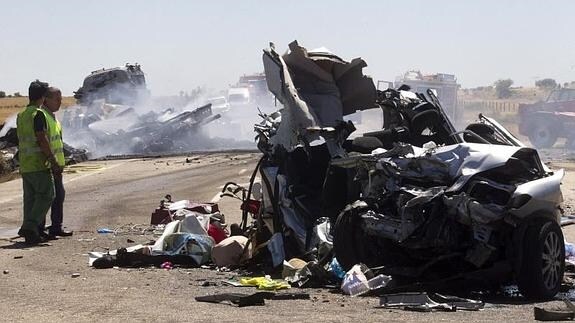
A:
(546, 84)
(17, 95)
(2, 94)
(503, 88)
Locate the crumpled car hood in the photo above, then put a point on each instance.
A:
(468, 159)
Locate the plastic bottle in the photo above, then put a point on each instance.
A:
(336, 269)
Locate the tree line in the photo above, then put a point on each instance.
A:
(15, 95)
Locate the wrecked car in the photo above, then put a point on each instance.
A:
(118, 85)
(123, 130)
(417, 200)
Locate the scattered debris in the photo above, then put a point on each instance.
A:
(561, 314)
(265, 283)
(75, 275)
(187, 240)
(422, 302)
(567, 219)
(167, 265)
(238, 299)
(360, 280)
(231, 251)
(256, 299)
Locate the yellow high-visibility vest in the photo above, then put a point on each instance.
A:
(55, 137)
(30, 155)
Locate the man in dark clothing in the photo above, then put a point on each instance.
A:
(36, 161)
(51, 105)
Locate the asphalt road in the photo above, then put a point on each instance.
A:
(38, 282)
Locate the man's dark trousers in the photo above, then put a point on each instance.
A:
(57, 214)
(57, 208)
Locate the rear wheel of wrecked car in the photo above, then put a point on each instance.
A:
(348, 241)
(353, 246)
(344, 242)
(543, 134)
(543, 261)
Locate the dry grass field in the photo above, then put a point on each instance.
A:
(9, 106)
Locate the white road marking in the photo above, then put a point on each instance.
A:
(6, 199)
(216, 198)
(96, 172)
(240, 184)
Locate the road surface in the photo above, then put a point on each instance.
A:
(38, 282)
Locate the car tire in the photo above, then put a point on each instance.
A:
(543, 260)
(353, 246)
(345, 242)
(543, 134)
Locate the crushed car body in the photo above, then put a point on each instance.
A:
(417, 199)
(151, 132)
(118, 85)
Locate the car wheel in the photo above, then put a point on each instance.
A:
(345, 242)
(543, 261)
(543, 134)
(353, 246)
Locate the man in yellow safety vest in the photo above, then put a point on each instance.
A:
(46, 122)
(38, 160)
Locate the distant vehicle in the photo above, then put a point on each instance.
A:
(443, 85)
(256, 84)
(118, 85)
(238, 96)
(546, 121)
(218, 103)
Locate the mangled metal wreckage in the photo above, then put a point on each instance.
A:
(417, 199)
(123, 130)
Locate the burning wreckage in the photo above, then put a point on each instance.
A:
(414, 205)
(119, 129)
(109, 120)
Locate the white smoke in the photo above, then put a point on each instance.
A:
(110, 129)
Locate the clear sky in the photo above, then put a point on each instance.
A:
(185, 44)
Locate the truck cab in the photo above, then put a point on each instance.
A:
(546, 121)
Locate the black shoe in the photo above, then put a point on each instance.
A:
(60, 233)
(24, 232)
(47, 236)
(31, 238)
(34, 239)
